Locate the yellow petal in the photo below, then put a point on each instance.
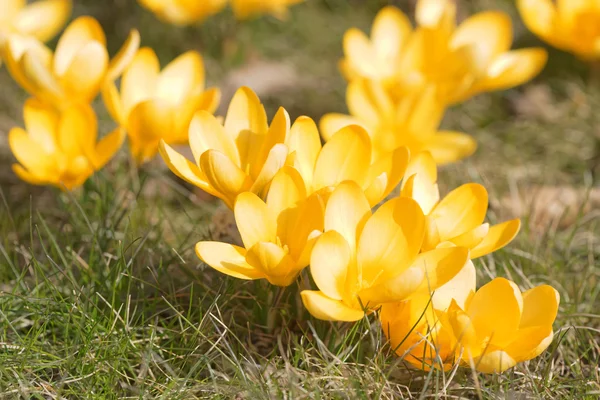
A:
(386, 174)
(447, 146)
(181, 77)
(227, 259)
(347, 212)
(489, 32)
(333, 122)
(498, 236)
(472, 238)
(298, 227)
(464, 331)
(539, 15)
(13, 50)
(393, 290)
(460, 289)
(441, 265)
(360, 53)
(275, 161)
(31, 155)
(368, 101)
(78, 34)
(107, 147)
(540, 306)
(343, 158)
(462, 210)
(30, 177)
(431, 13)
(41, 122)
(329, 263)
(255, 221)
(77, 131)
(390, 31)
(113, 103)
(148, 122)
(495, 311)
(40, 80)
(185, 169)
(305, 143)
(494, 362)
(42, 19)
(224, 176)
(206, 133)
(207, 100)
(390, 240)
(322, 307)
(423, 186)
(124, 57)
(514, 68)
(245, 113)
(530, 343)
(285, 191)
(139, 79)
(274, 261)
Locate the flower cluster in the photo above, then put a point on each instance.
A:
(185, 12)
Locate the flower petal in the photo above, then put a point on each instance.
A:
(360, 53)
(275, 262)
(498, 236)
(77, 131)
(206, 133)
(441, 265)
(329, 264)
(245, 113)
(304, 142)
(423, 186)
(32, 155)
(539, 16)
(29, 176)
(139, 79)
(530, 343)
(83, 77)
(107, 147)
(540, 306)
(78, 34)
(224, 176)
(275, 161)
(514, 68)
(496, 361)
(343, 158)
(447, 147)
(390, 240)
(124, 57)
(391, 28)
(347, 212)
(322, 307)
(462, 210)
(460, 289)
(227, 259)
(286, 190)
(333, 122)
(255, 221)
(148, 122)
(42, 19)
(182, 76)
(41, 122)
(386, 174)
(472, 238)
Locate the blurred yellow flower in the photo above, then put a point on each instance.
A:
(60, 148)
(460, 61)
(247, 8)
(412, 120)
(278, 234)
(491, 330)
(242, 154)
(155, 105)
(457, 218)
(73, 74)
(41, 19)
(183, 12)
(572, 25)
(364, 260)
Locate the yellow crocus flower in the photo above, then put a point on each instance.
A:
(41, 19)
(278, 235)
(491, 330)
(461, 61)
(60, 148)
(74, 73)
(459, 216)
(154, 105)
(183, 12)
(412, 120)
(570, 25)
(244, 9)
(364, 260)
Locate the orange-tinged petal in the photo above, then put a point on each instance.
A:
(275, 262)
(78, 34)
(498, 236)
(182, 76)
(206, 133)
(393, 290)
(333, 122)
(386, 174)
(227, 259)
(460, 289)
(42, 19)
(494, 362)
(447, 147)
(31, 155)
(539, 15)
(390, 240)
(148, 122)
(113, 102)
(329, 264)
(277, 133)
(540, 306)
(441, 265)
(322, 307)
(286, 190)
(41, 122)
(495, 311)
(139, 79)
(462, 210)
(107, 147)
(255, 221)
(30, 177)
(275, 161)
(343, 158)
(77, 131)
(124, 57)
(514, 68)
(472, 238)
(464, 330)
(224, 176)
(304, 142)
(346, 212)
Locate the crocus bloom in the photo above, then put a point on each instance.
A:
(569, 25)
(494, 329)
(412, 120)
(155, 105)
(364, 260)
(459, 216)
(475, 56)
(73, 74)
(60, 148)
(241, 155)
(247, 8)
(41, 19)
(183, 12)
(278, 234)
